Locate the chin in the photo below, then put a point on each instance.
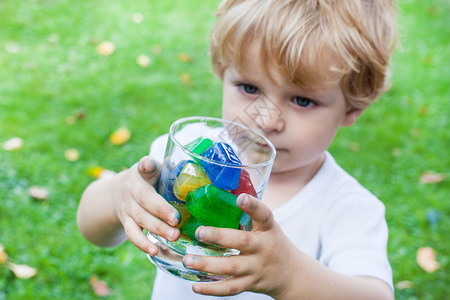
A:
(277, 167)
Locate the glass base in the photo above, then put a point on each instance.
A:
(169, 258)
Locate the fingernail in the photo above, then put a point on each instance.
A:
(152, 251)
(241, 199)
(175, 218)
(200, 233)
(197, 289)
(173, 234)
(188, 261)
(150, 166)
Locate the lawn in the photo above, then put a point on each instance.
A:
(58, 91)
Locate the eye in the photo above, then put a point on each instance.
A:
(249, 89)
(303, 102)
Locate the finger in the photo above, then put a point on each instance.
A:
(138, 238)
(148, 199)
(261, 215)
(147, 221)
(230, 286)
(149, 169)
(227, 238)
(234, 265)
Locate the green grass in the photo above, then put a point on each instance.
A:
(50, 70)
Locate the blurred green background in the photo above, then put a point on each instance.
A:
(57, 92)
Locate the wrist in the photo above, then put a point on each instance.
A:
(119, 189)
(295, 268)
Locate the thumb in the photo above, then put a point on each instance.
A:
(149, 169)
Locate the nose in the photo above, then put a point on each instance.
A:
(269, 116)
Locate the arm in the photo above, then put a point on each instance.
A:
(270, 263)
(114, 209)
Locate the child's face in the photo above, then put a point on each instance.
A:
(300, 123)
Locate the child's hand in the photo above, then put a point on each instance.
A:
(265, 261)
(138, 206)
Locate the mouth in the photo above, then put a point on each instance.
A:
(262, 145)
(266, 147)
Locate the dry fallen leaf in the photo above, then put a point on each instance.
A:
(38, 193)
(70, 120)
(100, 287)
(22, 271)
(184, 57)
(93, 41)
(79, 115)
(397, 152)
(95, 171)
(120, 136)
(406, 284)
(354, 147)
(415, 132)
(3, 255)
(13, 144)
(157, 49)
(106, 48)
(426, 258)
(72, 154)
(137, 18)
(99, 172)
(427, 60)
(185, 78)
(429, 177)
(143, 61)
(423, 110)
(432, 10)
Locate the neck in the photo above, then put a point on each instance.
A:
(301, 175)
(283, 185)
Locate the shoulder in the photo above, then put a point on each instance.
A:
(343, 189)
(333, 191)
(348, 204)
(353, 229)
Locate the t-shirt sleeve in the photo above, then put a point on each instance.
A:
(158, 147)
(354, 238)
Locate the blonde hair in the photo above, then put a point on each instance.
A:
(315, 43)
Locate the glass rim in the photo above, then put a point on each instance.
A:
(223, 121)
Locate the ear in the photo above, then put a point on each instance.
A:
(351, 116)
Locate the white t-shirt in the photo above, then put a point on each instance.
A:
(333, 219)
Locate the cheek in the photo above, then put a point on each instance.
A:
(312, 138)
(228, 110)
(322, 136)
(232, 106)
(227, 105)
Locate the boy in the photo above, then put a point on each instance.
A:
(295, 71)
